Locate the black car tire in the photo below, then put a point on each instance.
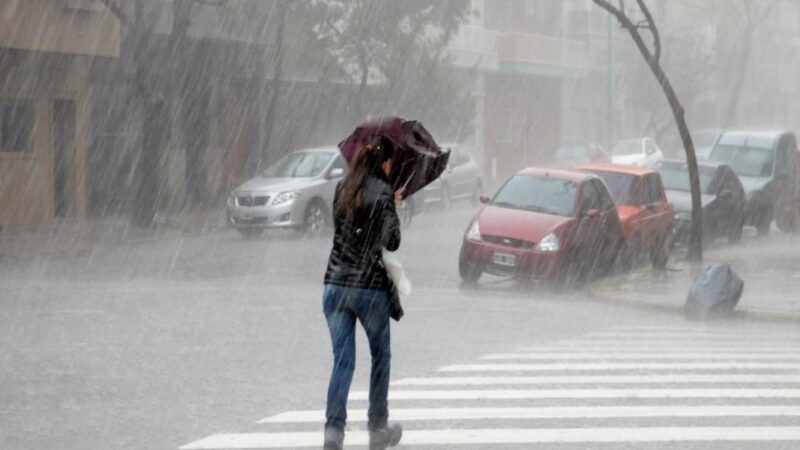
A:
(631, 252)
(735, 234)
(659, 255)
(577, 267)
(787, 221)
(469, 274)
(315, 219)
(764, 221)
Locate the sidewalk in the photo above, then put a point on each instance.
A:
(770, 268)
(76, 236)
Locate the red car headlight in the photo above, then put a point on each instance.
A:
(550, 244)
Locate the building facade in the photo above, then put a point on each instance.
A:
(71, 124)
(541, 82)
(45, 50)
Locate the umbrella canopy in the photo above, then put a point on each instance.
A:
(417, 161)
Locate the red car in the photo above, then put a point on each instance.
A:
(643, 209)
(552, 224)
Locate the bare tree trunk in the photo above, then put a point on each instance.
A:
(152, 106)
(269, 115)
(190, 87)
(652, 59)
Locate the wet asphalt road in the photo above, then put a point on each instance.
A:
(160, 343)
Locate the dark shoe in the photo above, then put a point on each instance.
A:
(385, 437)
(334, 439)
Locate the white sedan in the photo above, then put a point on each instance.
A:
(640, 152)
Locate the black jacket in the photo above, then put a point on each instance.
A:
(355, 259)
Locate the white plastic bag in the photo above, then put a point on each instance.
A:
(396, 273)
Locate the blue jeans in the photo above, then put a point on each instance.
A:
(342, 306)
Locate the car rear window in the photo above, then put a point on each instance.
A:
(538, 193)
(745, 160)
(676, 178)
(621, 186)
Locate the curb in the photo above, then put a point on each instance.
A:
(596, 291)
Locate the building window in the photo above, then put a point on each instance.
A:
(16, 126)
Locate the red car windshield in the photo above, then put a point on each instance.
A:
(538, 193)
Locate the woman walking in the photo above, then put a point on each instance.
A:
(358, 288)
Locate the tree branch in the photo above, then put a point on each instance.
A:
(616, 12)
(119, 12)
(653, 30)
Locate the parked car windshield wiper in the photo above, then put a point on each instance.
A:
(505, 205)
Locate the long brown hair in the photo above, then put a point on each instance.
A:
(368, 160)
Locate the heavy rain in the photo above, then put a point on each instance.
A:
(422, 224)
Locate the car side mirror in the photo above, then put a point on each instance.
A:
(336, 173)
(593, 214)
(650, 206)
(484, 200)
(726, 194)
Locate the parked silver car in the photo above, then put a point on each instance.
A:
(461, 180)
(296, 192)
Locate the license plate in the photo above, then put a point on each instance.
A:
(504, 259)
(248, 215)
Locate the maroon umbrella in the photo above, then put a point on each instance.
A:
(418, 160)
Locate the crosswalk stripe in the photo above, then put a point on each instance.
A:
(616, 366)
(649, 364)
(528, 394)
(665, 348)
(641, 356)
(507, 436)
(557, 412)
(655, 328)
(726, 335)
(681, 340)
(600, 379)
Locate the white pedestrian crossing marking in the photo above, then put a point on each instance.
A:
(641, 356)
(660, 348)
(509, 436)
(688, 334)
(559, 412)
(600, 379)
(551, 367)
(510, 394)
(655, 366)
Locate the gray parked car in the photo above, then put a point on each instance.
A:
(722, 200)
(704, 141)
(461, 179)
(766, 163)
(296, 193)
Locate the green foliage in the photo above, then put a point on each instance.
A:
(395, 52)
